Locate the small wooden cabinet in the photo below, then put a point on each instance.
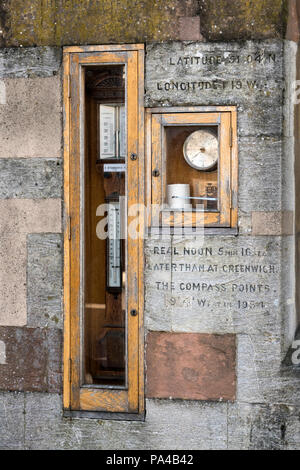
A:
(192, 166)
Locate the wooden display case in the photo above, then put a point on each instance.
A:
(196, 147)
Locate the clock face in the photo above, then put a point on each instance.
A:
(200, 150)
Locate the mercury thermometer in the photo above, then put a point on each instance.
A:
(114, 246)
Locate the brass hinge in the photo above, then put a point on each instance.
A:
(69, 227)
(69, 86)
(70, 370)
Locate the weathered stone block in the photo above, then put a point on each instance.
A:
(191, 366)
(44, 280)
(29, 216)
(226, 284)
(95, 21)
(263, 427)
(244, 224)
(239, 425)
(268, 427)
(172, 425)
(30, 178)
(290, 75)
(189, 28)
(18, 218)
(91, 21)
(190, 425)
(2, 353)
(255, 356)
(30, 121)
(169, 424)
(288, 311)
(13, 280)
(249, 75)
(153, 312)
(292, 429)
(239, 19)
(272, 223)
(259, 174)
(33, 359)
(31, 62)
(45, 427)
(12, 421)
(288, 184)
(292, 29)
(260, 376)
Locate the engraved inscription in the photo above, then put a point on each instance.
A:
(211, 85)
(205, 60)
(223, 73)
(227, 58)
(219, 277)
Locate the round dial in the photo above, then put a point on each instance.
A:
(200, 150)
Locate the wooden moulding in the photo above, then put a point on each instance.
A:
(77, 396)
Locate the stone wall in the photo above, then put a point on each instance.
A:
(55, 22)
(246, 323)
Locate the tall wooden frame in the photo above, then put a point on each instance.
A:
(76, 396)
(157, 119)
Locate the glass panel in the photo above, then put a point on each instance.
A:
(192, 154)
(104, 345)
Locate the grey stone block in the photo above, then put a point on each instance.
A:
(292, 430)
(260, 376)
(239, 425)
(31, 117)
(248, 74)
(45, 427)
(44, 280)
(169, 425)
(268, 427)
(260, 174)
(288, 186)
(290, 68)
(30, 61)
(12, 421)
(225, 285)
(288, 294)
(257, 357)
(186, 425)
(157, 316)
(174, 425)
(30, 178)
(18, 218)
(263, 427)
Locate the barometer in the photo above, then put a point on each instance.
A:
(200, 150)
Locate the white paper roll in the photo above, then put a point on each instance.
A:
(181, 199)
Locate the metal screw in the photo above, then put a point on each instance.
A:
(155, 173)
(133, 313)
(133, 156)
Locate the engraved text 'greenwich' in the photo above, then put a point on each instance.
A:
(242, 274)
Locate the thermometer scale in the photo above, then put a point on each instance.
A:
(114, 246)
